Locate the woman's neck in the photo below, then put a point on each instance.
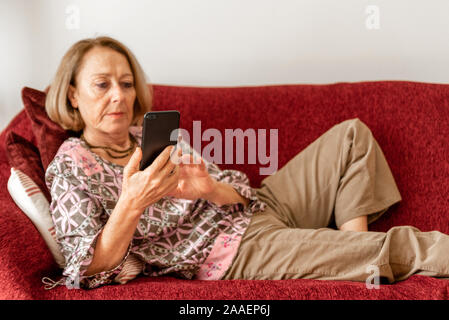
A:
(120, 141)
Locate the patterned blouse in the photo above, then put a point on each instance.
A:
(190, 239)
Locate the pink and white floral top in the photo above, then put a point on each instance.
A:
(191, 239)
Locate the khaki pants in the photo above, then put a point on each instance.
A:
(340, 176)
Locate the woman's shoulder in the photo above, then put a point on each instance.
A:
(66, 150)
(72, 158)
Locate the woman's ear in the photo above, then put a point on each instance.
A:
(72, 97)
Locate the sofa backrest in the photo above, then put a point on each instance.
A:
(410, 121)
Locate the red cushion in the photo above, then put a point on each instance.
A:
(23, 155)
(49, 135)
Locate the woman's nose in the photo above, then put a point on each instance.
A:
(117, 93)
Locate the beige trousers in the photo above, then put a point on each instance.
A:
(340, 176)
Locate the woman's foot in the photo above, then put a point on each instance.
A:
(356, 224)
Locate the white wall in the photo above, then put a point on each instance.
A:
(16, 58)
(230, 42)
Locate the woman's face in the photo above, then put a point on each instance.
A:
(104, 92)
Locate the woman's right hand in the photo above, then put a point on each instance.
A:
(141, 189)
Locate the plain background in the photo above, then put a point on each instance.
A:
(230, 42)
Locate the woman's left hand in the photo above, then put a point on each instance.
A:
(194, 181)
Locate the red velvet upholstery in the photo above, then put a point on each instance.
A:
(24, 155)
(49, 135)
(410, 120)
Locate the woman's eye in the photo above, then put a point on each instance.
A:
(128, 84)
(102, 85)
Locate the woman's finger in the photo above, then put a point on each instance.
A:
(133, 164)
(189, 160)
(168, 169)
(186, 159)
(175, 155)
(161, 160)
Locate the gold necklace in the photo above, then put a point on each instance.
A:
(125, 153)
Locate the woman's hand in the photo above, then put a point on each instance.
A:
(141, 189)
(194, 181)
(174, 175)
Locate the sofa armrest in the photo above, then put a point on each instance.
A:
(24, 256)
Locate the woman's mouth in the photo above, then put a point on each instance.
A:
(116, 114)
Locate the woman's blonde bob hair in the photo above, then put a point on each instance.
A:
(57, 104)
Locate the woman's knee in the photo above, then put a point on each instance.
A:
(356, 123)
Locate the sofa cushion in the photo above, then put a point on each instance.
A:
(30, 199)
(49, 135)
(24, 156)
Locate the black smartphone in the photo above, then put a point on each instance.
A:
(160, 129)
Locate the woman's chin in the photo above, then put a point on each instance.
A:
(116, 125)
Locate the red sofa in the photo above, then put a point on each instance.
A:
(410, 120)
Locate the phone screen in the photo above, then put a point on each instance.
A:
(160, 129)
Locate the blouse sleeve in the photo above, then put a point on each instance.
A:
(79, 220)
(237, 179)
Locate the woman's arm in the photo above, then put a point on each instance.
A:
(113, 242)
(224, 193)
(139, 190)
(220, 187)
(79, 217)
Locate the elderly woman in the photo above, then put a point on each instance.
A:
(195, 221)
